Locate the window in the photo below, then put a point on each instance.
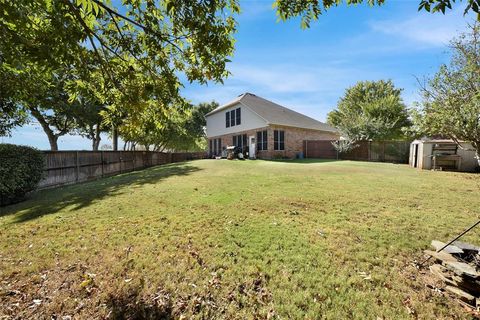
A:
(216, 147)
(278, 140)
(240, 140)
(232, 118)
(262, 139)
(239, 116)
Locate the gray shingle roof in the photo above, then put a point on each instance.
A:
(276, 114)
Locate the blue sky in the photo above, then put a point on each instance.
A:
(309, 70)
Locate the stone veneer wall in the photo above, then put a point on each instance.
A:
(294, 138)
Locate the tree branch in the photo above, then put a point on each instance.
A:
(143, 27)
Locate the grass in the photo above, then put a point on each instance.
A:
(236, 240)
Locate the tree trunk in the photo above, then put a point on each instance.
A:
(96, 138)
(52, 137)
(53, 140)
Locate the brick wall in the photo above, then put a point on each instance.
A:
(294, 138)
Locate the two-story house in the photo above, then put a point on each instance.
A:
(262, 128)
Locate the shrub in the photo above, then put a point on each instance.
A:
(21, 169)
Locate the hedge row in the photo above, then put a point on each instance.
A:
(21, 169)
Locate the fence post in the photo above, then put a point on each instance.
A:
(77, 165)
(134, 158)
(369, 150)
(383, 151)
(101, 159)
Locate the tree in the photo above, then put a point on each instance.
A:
(164, 40)
(183, 130)
(371, 110)
(39, 93)
(10, 115)
(197, 122)
(48, 102)
(309, 10)
(451, 99)
(88, 120)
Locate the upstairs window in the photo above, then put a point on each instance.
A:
(239, 116)
(232, 118)
(279, 140)
(262, 140)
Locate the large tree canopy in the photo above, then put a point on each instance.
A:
(131, 59)
(451, 98)
(371, 110)
(194, 37)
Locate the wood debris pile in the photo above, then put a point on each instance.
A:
(458, 266)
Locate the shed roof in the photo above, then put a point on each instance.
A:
(276, 114)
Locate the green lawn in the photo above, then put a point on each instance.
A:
(236, 240)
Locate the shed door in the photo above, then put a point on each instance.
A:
(415, 155)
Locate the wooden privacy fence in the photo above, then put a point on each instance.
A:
(382, 151)
(67, 167)
(322, 149)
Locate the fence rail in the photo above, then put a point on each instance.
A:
(68, 167)
(380, 151)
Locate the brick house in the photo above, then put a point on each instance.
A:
(262, 128)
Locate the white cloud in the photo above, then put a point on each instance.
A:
(424, 28)
(275, 78)
(296, 79)
(253, 9)
(312, 90)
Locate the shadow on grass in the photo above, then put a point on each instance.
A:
(131, 306)
(81, 195)
(303, 161)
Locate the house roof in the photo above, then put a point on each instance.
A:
(276, 114)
